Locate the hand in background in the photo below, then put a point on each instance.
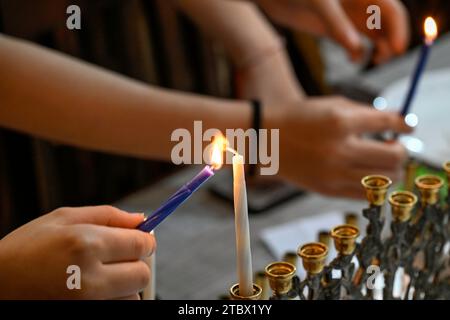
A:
(323, 148)
(254, 46)
(100, 240)
(341, 21)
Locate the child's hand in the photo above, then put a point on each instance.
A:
(101, 241)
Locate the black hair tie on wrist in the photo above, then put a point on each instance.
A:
(256, 125)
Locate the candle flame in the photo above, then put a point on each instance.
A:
(219, 146)
(431, 29)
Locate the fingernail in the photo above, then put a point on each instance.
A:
(140, 214)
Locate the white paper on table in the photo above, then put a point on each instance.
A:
(288, 237)
(430, 141)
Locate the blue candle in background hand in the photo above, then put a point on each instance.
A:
(179, 197)
(430, 35)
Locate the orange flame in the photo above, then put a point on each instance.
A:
(431, 29)
(219, 146)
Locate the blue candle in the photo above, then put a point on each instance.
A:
(430, 35)
(176, 200)
(415, 80)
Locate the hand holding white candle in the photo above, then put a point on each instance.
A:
(244, 256)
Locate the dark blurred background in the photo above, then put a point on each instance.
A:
(143, 39)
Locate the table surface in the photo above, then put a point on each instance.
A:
(196, 245)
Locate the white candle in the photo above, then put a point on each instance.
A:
(149, 291)
(244, 256)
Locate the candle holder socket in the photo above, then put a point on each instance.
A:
(324, 237)
(291, 257)
(344, 237)
(429, 187)
(376, 187)
(351, 219)
(313, 257)
(280, 276)
(447, 171)
(234, 293)
(402, 204)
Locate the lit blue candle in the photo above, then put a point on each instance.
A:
(176, 200)
(430, 35)
(179, 197)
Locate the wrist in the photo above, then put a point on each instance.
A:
(272, 117)
(271, 80)
(253, 55)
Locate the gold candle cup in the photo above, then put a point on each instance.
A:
(402, 204)
(447, 171)
(344, 237)
(410, 176)
(324, 237)
(429, 187)
(313, 256)
(352, 219)
(376, 187)
(280, 276)
(234, 293)
(291, 257)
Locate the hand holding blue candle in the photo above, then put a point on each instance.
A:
(179, 197)
(430, 35)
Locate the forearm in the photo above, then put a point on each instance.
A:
(253, 44)
(62, 99)
(239, 25)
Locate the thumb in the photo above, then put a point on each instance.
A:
(106, 216)
(340, 27)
